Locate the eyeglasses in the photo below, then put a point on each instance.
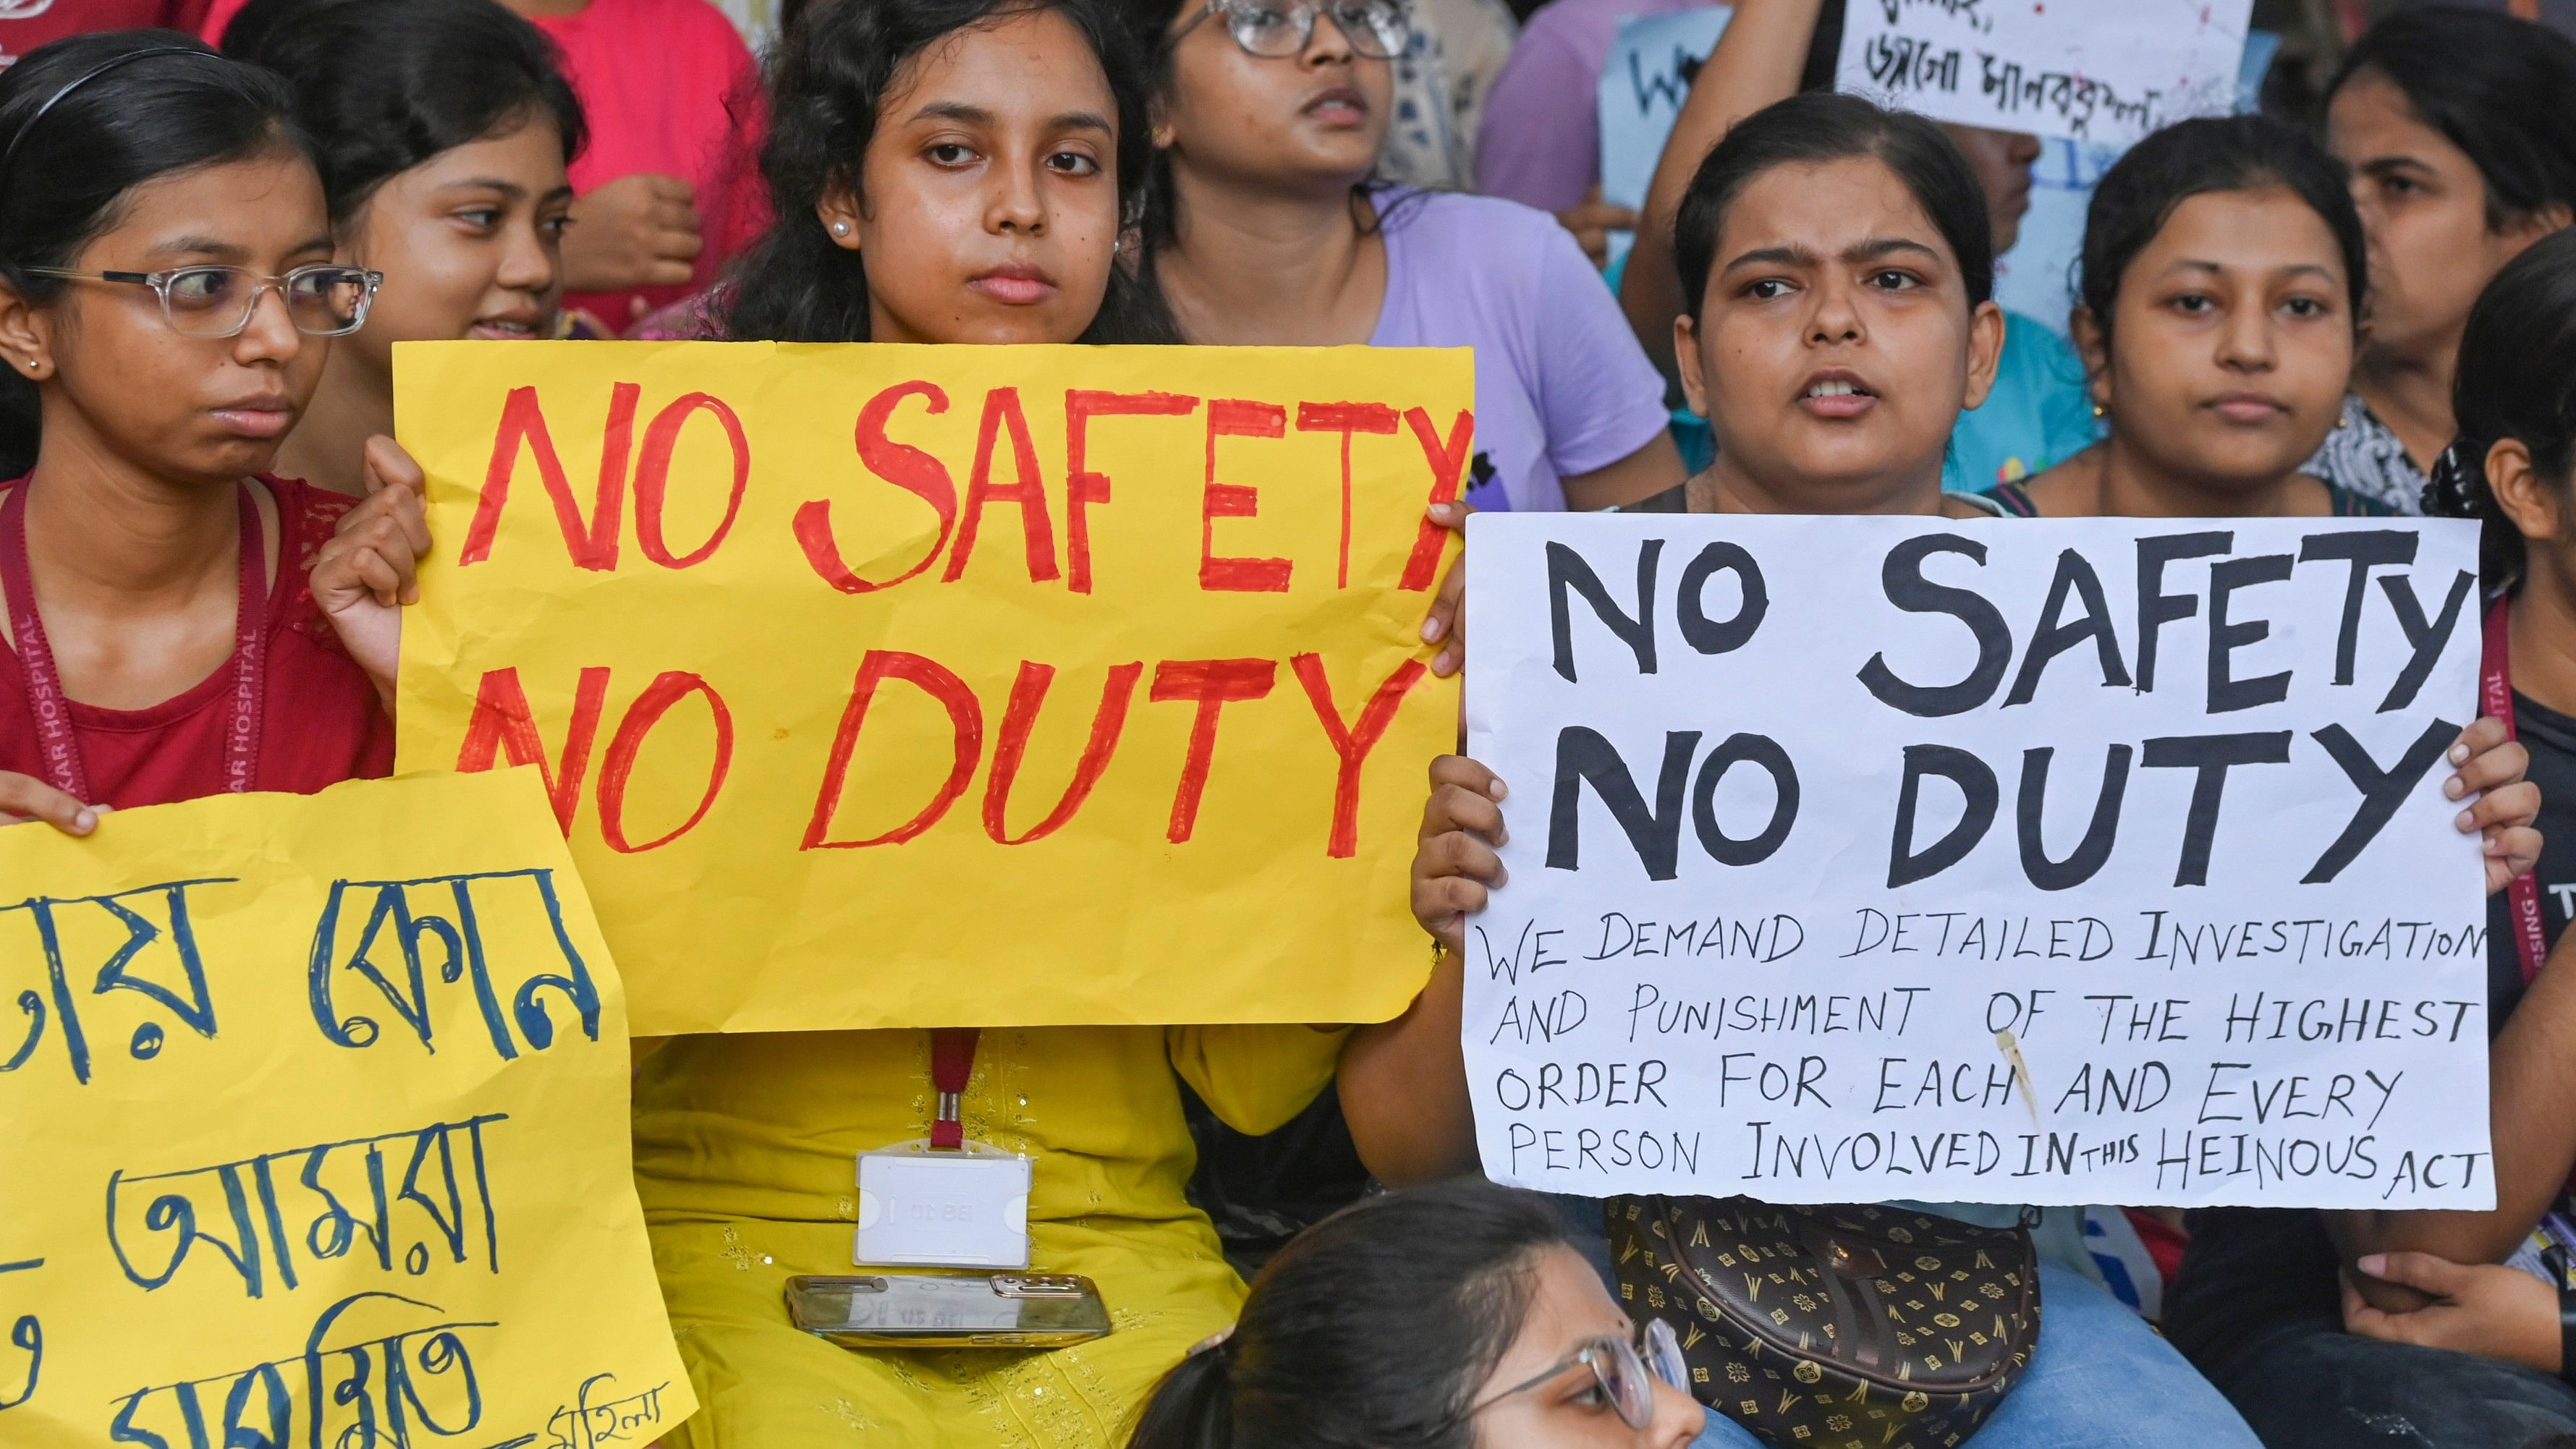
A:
(1626, 1370)
(322, 300)
(1377, 29)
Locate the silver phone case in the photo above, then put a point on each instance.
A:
(948, 1310)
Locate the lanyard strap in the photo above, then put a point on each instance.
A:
(952, 1061)
(2522, 897)
(2495, 697)
(56, 742)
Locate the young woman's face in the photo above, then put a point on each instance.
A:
(2424, 207)
(2002, 161)
(1314, 121)
(2231, 340)
(470, 242)
(200, 409)
(1835, 344)
(988, 205)
(1570, 1312)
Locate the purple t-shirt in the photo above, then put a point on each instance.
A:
(1540, 143)
(1562, 387)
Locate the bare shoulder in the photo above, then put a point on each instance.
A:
(2069, 489)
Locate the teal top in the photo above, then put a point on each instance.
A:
(2013, 500)
(2037, 416)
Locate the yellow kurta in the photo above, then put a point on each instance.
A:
(745, 1153)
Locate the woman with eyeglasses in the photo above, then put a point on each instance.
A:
(1458, 1316)
(177, 622)
(1263, 229)
(444, 127)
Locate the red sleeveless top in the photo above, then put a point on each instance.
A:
(319, 720)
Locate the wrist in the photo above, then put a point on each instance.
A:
(2558, 1355)
(2563, 1300)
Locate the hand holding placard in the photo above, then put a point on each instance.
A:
(829, 640)
(324, 1131)
(2055, 861)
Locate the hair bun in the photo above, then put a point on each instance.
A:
(2453, 489)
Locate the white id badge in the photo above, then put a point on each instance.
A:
(962, 1209)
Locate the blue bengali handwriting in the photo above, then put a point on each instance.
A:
(353, 1387)
(156, 957)
(27, 1335)
(399, 938)
(598, 1415)
(405, 1199)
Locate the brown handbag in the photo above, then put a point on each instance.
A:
(1845, 1327)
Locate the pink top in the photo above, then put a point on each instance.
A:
(668, 87)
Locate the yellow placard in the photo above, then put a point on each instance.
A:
(909, 686)
(315, 1113)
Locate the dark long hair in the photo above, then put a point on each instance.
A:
(2496, 87)
(827, 77)
(147, 117)
(1817, 127)
(2138, 195)
(2516, 379)
(1372, 1329)
(384, 85)
(1374, 204)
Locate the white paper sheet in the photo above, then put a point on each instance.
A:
(2206, 985)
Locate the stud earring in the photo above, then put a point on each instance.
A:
(840, 228)
(2100, 411)
(2342, 422)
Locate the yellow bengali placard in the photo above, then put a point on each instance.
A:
(903, 686)
(315, 1113)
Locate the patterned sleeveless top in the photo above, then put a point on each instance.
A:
(2342, 502)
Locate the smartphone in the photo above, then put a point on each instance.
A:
(948, 1310)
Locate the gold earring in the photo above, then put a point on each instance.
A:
(2342, 422)
(2100, 411)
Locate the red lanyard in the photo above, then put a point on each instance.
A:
(952, 1061)
(2495, 697)
(55, 739)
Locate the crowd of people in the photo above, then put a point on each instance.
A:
(211, 536)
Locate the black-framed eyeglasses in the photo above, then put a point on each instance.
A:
(322, 300)
(1626, 1369)
(1277, 29)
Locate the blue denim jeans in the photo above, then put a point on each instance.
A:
(2313, 1386)
(2102, 1379)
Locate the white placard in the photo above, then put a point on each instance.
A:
(2092, 70)
(2044, 861)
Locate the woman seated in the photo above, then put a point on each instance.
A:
(1443, 1318)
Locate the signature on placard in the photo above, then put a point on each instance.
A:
(585, 1424)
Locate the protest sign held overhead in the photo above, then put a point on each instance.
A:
(2099, 860)
(2108, 73)
(1096, 667)
(322, 1139)
(1652, 63)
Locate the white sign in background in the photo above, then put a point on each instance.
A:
(2091, 70)
(2048, 861)
(1643, 84)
